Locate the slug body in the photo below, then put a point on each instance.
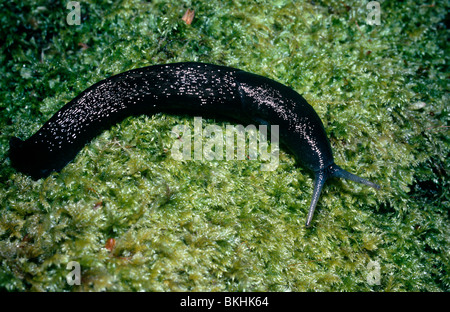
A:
(180, 88)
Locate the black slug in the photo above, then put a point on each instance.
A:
(193, 88)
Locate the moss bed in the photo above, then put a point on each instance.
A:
(381, 91)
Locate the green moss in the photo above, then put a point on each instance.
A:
(381, 92)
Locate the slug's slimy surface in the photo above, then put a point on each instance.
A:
(179, 88)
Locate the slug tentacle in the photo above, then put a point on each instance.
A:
(319, 182)
(338, 172)
(321, 176)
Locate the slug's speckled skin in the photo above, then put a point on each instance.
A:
(194, 88)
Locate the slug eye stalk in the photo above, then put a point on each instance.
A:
(322, 176)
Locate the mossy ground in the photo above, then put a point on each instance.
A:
(381, 91)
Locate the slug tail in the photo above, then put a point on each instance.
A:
(17, 153)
